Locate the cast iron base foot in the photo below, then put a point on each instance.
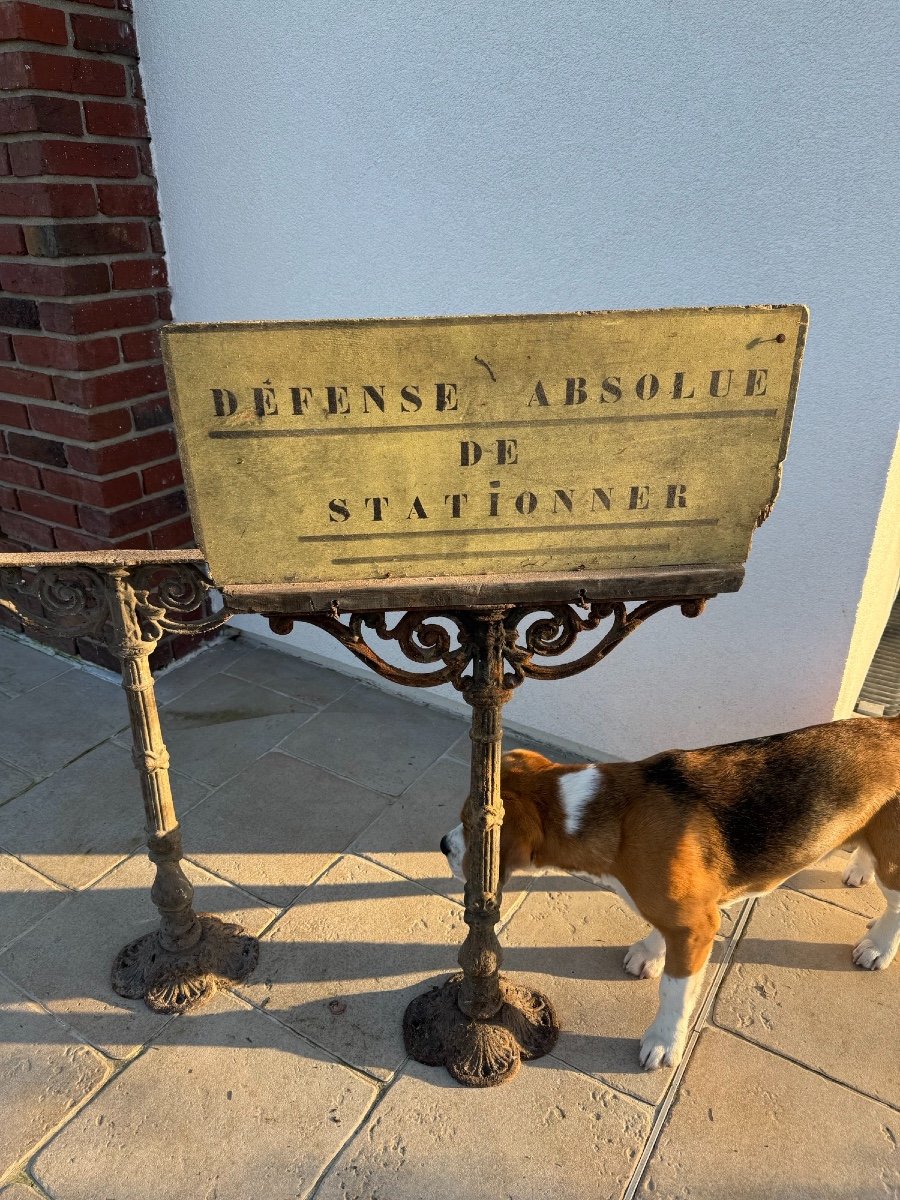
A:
(175, 981)
(479, 1053)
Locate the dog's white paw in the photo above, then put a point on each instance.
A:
(644, 961)
(856, 875)
(660, 1049)
(870, 956)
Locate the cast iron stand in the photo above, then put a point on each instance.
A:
(478, 1024)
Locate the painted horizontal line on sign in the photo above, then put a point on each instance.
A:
(389, 558)
(719, 414)
(412, 533)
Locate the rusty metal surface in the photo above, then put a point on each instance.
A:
(563, 443)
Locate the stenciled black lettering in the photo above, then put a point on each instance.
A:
(604, 497)
(676, 495)
(264, 400)
(224, 402)
(678, 392)
(375, 394)
(418, 510)
(539, 396)
(410, 400)
(715, 384)
(338, 510)
(646, 387)
(300, 400)
(639, 497)
(561, 496)
(446, 397)
(507, 452)
(469, 454)
(611, 389)
(757, 378)
(337, 404)
(526, 503)
(457, 500)
(379, 503)
(576, 391)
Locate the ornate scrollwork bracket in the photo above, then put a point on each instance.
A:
(478, 1024)
(131, 606)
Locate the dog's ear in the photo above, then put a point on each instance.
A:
(520, 835)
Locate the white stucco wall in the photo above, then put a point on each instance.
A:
(393, 158)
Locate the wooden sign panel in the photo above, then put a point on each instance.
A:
(565, 444)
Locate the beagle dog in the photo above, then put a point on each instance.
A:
(687, 832)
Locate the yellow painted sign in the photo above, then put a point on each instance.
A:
(464, 446)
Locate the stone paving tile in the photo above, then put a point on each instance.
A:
(226, 1104)
(570, 945)
(406, 837)
(366, 940)
(292, 675)
(59, 721)
(43, 1074)
(12, 781)
(19, 1191)
(276, 826)
(548, 1134)
(824, 882)
(793, 988)
(22, 667)
(65, 961)
(25, 897)
(749, 1125)
(218, 727)
(375, 739)
(183, 676)
(83, 820)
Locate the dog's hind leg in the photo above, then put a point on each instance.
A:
(876, 951)
(646, 958)
(860, 869)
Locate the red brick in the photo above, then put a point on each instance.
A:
(100, 3)
(28, 532)
(92, 354)
(25, 383)
(40, 114)
(152, 413)
(96, 425)
(128, 120)
(88, 238)
(36, 449)
(39, 279)
(8, 500)
(47, 200)
(164, 305)
(103, 36)
(156, 237)
(5, 168)
(33, 70)
(16, 313)
(174, 536)
(98, 390)
(13, 414)
(101, 493)
(128, 200)
(32, 23)
(69, 539)
(133, 452)
(18, 473)
(102, 160)
(11, 239)
(136, 517)
(48, 508)
(6, 348)
(162, 477)
(136, 273)
(93, 316)
(145, 157)
(137, 347)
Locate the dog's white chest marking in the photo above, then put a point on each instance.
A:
(613, 885)
(576, 790)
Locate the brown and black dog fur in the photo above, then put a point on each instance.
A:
(685, 832)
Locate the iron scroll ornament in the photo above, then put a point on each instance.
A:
(75, 601)
(424, 641)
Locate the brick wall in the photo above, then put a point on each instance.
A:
(87, 453)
